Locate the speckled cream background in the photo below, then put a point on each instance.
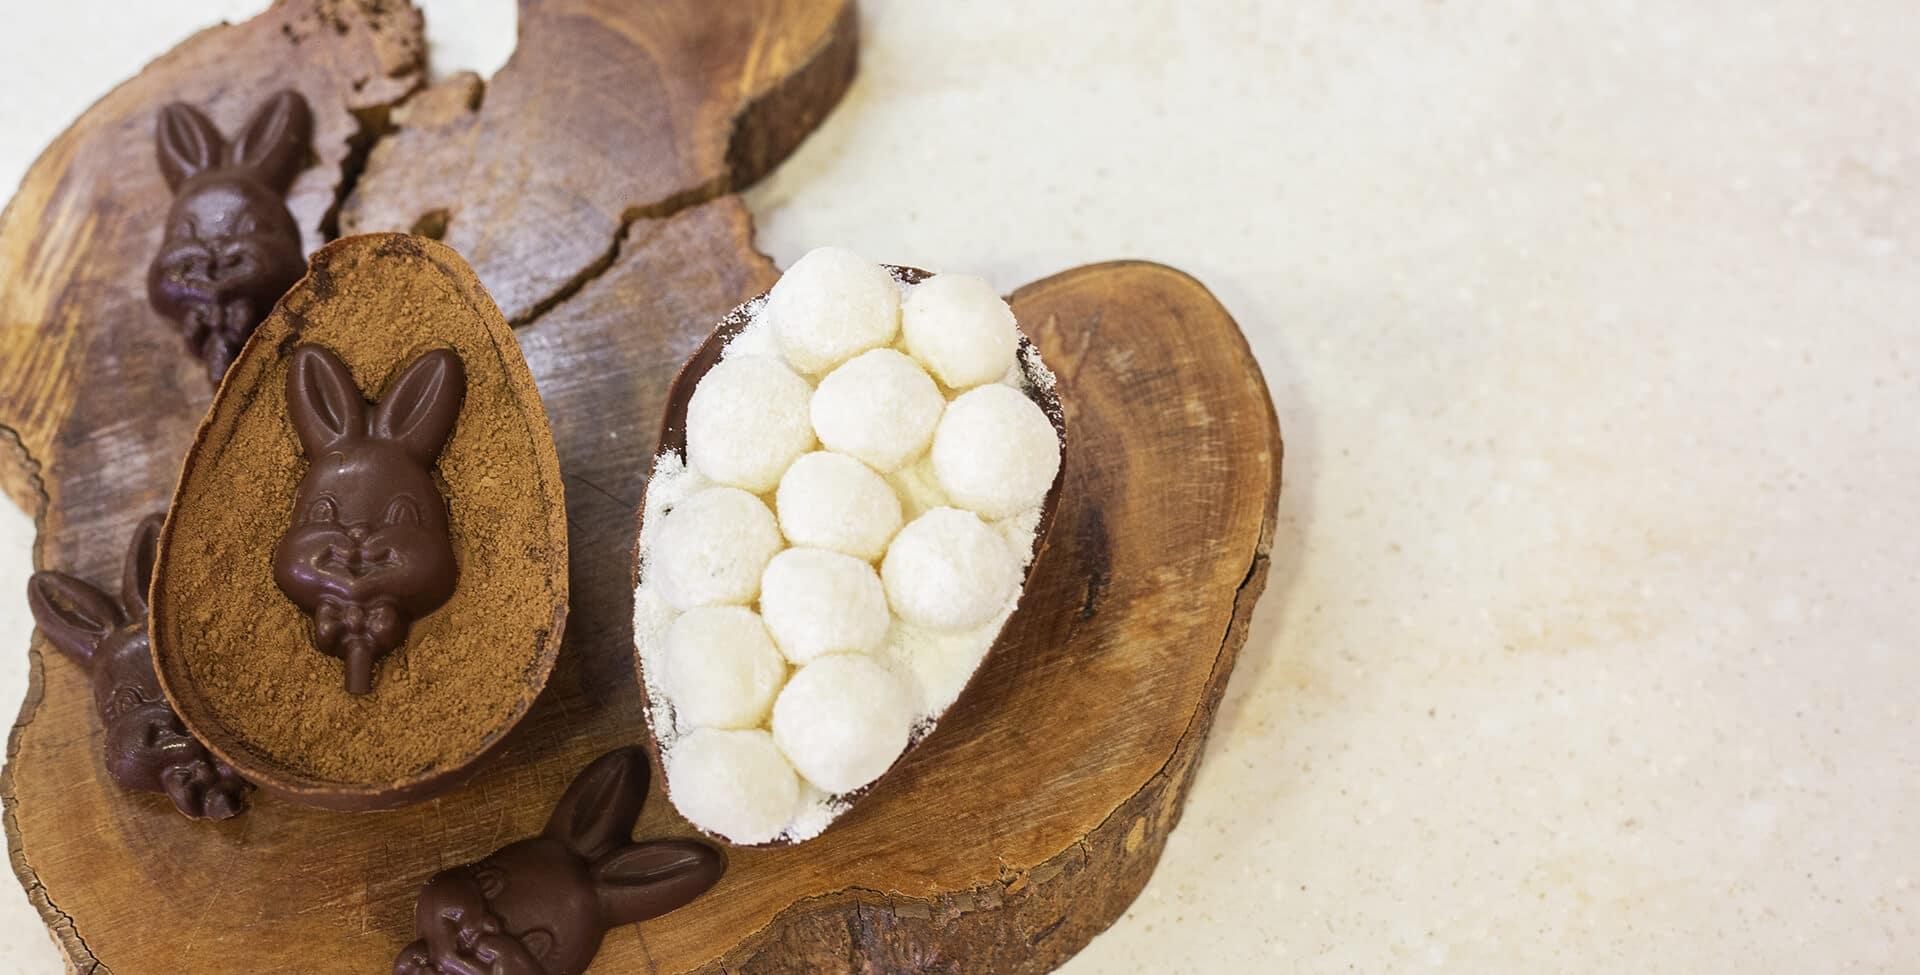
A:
(1594, 330)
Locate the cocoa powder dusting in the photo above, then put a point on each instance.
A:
(464, 672)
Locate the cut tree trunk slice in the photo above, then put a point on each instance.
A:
(1024, 825)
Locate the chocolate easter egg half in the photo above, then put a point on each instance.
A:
(362, 582)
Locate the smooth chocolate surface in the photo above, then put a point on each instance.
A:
(230, 248)
(367, 551)
(543, 905)
(146, 747)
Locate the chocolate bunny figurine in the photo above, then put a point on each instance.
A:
(542, 906)
(147, 748)
(368, 550)
(231, 249)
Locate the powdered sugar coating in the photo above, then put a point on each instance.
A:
(735, 783)
(722, 668)
(818, 602)
(713, 547)
(747, 421)
(958, 326)
(830, 306)
(842, 720)
(881, 407)
(948, 570)
(994, 452)
(831, 501)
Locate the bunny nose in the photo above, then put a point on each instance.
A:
(357, 532)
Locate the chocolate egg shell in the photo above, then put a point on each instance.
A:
(673, 440)
(237, 657)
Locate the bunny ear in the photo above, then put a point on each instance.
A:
(73, 614)
(274, 142)
(325, 404)
(650, 879)
(419, 408)
(597, 814)
(138, 574)
(187, 142)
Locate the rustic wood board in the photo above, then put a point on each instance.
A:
(1023, 827)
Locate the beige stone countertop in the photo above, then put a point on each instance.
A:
(1594, 330)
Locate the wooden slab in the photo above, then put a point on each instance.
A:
(1023, 827)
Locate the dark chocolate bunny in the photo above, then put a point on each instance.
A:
(367, 551)
(231, 249)
(147, 748)
(542, 906)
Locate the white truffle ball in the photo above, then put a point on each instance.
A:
(948, 570)
(960, 328)
(830, 306)
(712, 548)
(832, 501)
(841, 721)
(881, 408)
(994, 452)
(747, 420)
(818, 602)
(722, 669)
(734, 783)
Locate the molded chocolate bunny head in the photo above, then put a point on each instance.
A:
(147, 748)
(542, 906)
(231, 248)
(368, 551)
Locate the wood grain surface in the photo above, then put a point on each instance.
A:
(607, 230)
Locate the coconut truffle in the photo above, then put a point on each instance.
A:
(734, 783)
(818, 602)
(960, 328)
(994, 452)
(830, 306)
(712, 548)
(841, 721)
(881, 407)
(948, 570)
(832, 501)
(722, 669)
(747, 421)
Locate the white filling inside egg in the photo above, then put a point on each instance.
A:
(960, 328)
(712, 548)
(994, 452)
(747, 420)
(949, 570)
(832, 501)
(881, 407)
(722, 669)
(831, 306)
(791, 655)
(735, 783)
(841, 721)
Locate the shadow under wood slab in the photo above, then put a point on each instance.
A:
(1023, 827)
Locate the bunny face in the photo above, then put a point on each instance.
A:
(146, 747)
(543, 905)
(525, 908)
(367, 550)
(230, 248)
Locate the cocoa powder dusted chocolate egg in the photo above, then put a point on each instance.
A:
(362, 583)
(896, 551)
